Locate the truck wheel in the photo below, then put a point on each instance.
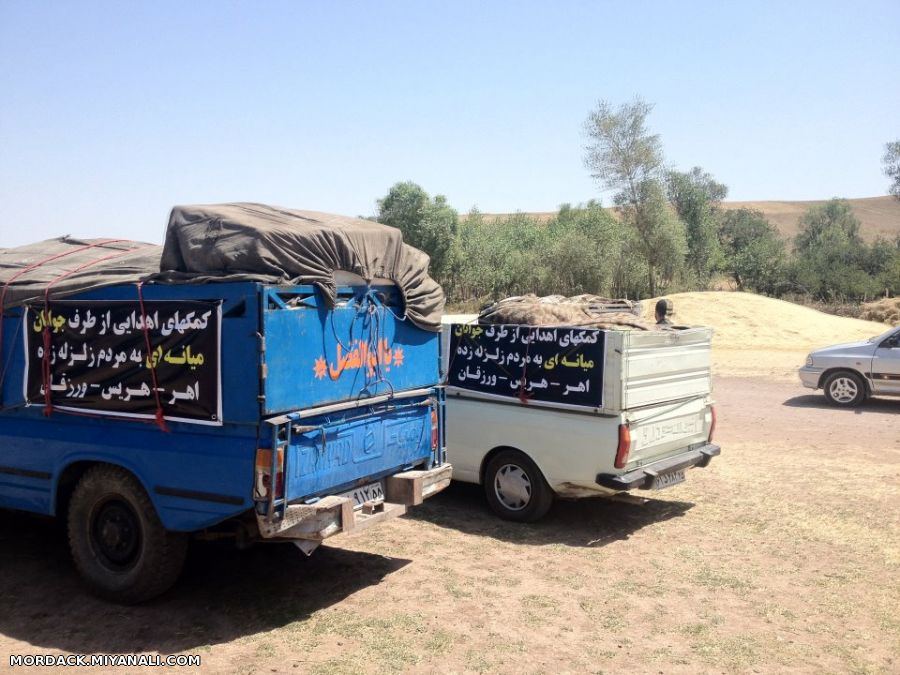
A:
(515, 487)
(118, 543)
(845, 389)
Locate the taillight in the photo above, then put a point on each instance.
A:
(624, 446)
(263, 482)
(712, 424)
(435, 432)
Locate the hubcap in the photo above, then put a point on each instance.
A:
(116, 534)
(843, 390)
(512, 487)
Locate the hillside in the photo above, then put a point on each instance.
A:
(879, 216)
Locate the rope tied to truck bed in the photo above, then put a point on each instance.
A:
(30, 268)
(159, 416)
(46, 373)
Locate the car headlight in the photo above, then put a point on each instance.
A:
(809, 360)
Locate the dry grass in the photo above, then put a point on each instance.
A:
(885, 311)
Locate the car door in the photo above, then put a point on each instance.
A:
(886, 366)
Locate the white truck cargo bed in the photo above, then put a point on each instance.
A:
(654, 421)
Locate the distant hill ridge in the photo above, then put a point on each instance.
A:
(878, 216)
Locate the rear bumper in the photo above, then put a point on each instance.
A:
(642, 478)
(332, 515)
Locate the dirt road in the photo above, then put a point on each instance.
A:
(783, 555)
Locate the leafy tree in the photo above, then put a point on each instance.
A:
(696, 197)
(831, 224)
(582, 249)
(883, 264)
(831, 257)
(754, 254)
(623, 156)
(621, 153)
(426, 223)
(661, 239)
(891, 161)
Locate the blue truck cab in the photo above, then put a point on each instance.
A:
(293, 419)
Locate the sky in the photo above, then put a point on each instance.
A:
(112, 112)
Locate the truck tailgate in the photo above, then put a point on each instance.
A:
(656, 367)
(358, 446)
(661, 431)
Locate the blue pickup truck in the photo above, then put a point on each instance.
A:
(144, 413)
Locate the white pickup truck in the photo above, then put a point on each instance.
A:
(641, 420)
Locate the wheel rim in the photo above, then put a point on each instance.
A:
(512, 486)
(116, 534)
(843, 390)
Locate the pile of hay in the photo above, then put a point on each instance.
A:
(556, 310)
(886, 310)
(756, 336)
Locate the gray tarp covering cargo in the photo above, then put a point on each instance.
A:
(228, 242)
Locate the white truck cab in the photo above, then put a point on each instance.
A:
(653, 420)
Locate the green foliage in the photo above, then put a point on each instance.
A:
(426, 223)
(661, 241)
(577, 251)
(891, 161)
(623, 156)
(753, 253)
(581, 250)
(831, 260)
(884, 265)
(621, 153)
(696, 196)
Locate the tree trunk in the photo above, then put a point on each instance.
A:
(652, 281)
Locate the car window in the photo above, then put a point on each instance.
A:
(891, 339)
(885, 335)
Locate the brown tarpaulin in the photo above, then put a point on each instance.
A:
(231, 242)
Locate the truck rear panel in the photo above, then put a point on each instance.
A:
(647, 368)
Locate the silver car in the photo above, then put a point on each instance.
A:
(852, 372)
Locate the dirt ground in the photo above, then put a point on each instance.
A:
(782, 556)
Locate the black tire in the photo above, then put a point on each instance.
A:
(845, 389)
(516, 488)
(118, 543)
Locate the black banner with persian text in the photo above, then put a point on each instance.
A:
(554, 364)
(99, 362)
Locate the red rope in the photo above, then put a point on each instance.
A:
(34, 266)
(45, 371)
(523, 397)
(160, 418)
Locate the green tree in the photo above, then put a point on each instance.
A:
(623, 156)
(426, 223)
(754, 254)
(831, 257)
(696, 197)
(660, 240)
(581, 250)
(883, 264)
(891, 161)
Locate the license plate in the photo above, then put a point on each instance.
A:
(665, 480)
(373, 492)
